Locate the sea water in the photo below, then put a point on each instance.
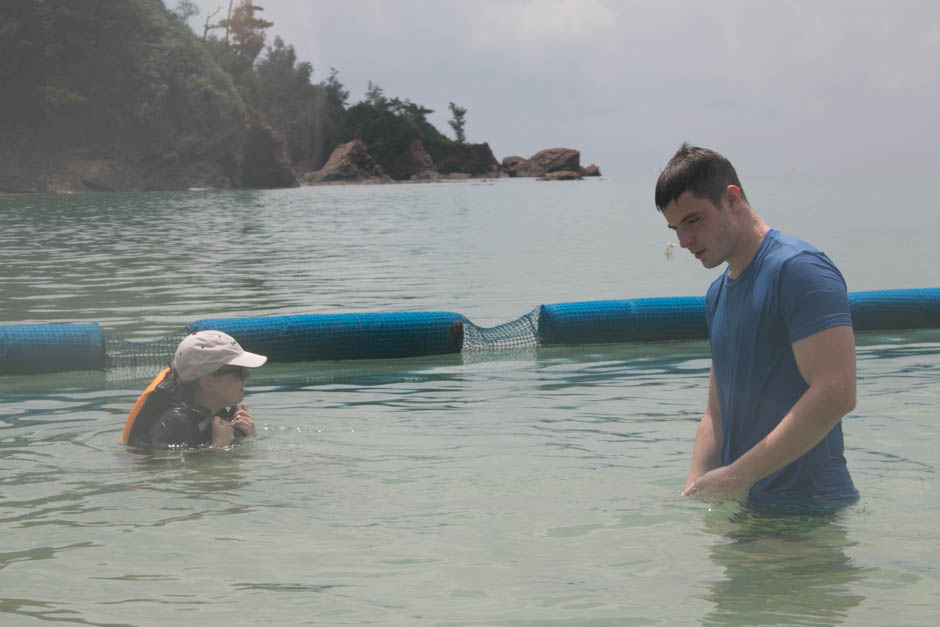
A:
(536, 487)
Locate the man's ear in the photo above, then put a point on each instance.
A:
(732, 195)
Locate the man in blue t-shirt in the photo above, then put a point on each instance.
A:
(782, 346)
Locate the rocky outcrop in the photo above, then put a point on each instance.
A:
(564, 161)
(512, 164)
(465, 160)
(264, 160)
(348, 163)
(591, 170)
(413, 162)
(250, 155)
(247, 155)
(561, 175)
(416, 163)
(352, 163)
(548, 160)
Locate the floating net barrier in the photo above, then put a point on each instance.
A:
(521, 333)
(33, 349)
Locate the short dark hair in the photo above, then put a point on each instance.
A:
(702, 172)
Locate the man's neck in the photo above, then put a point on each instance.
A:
(752, 236)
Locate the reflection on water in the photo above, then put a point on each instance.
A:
(782, 569)
(199, 473)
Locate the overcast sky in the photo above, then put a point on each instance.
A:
(779, 87)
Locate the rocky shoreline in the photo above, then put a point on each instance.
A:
(245, 155)
(253, 156)
(352, 163)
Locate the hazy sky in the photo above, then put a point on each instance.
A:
(779, 87)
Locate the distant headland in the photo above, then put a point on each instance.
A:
(131, 99)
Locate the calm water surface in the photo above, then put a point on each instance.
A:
(533, 487)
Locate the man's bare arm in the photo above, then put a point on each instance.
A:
(826, 361)
(706, 453)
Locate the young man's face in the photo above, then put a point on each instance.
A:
(701, 227)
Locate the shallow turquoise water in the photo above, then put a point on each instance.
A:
(530, 487)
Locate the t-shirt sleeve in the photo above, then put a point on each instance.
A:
(813, 295)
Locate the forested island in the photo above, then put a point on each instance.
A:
(99, 95)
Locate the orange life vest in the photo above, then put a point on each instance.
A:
(139, 405)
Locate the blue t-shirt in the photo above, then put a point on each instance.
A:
(789, 291)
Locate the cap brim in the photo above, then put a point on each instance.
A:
(248, 360)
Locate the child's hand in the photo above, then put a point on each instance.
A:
(243, 421)
(222, 432)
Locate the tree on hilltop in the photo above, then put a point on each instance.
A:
(237, 52)
(337, 95)
(184, 10)
(458, 122)
(246, 29)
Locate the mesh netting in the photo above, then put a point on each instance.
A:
(523, 332)
(140, 357)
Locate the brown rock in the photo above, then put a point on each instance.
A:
(561, 175)
(470, 159)
(591, 170)
(349, 162)
(512, 164)
(550, 160)
(416, 163)
(426, 175)
(418, 155)
(265, 162)
(249, 155)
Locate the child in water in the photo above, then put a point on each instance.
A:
(198, 401)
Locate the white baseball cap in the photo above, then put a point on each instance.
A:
(205, 352)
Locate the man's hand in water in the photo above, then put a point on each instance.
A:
(722, 482)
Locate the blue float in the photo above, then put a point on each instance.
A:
(38, 348)
(896, 309)
(612, 321)
(344, 336)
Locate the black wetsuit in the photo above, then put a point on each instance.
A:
(168, 421)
